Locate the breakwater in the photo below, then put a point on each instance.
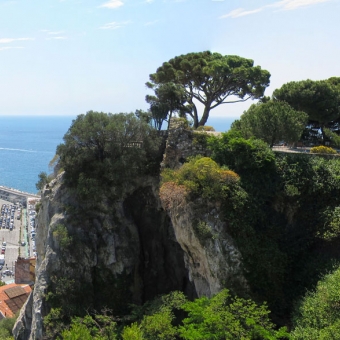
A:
(14, 195)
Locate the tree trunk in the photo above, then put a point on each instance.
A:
(195, 117)
(170, 116)
(205, 115)
(323, 133)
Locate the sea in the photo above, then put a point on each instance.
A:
(28, 144)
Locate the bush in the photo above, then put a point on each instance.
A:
(172, 193)
(205, 128)
(60, 233)
(201, 176)
(200, 139)
(318, 316)
(220, 317)
(323, 149)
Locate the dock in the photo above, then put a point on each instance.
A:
(14, 195)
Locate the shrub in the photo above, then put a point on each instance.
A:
(323, 149)
(60, 233)
(205, 128)
(318, 316)
(203, 231)
(200, 139)
(171, 193)
(201, 176)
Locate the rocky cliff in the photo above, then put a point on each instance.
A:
(131, 250)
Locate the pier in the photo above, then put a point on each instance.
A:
(14, 196)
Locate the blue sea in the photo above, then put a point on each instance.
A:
(27, 144)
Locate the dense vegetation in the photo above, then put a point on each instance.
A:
(6, 326)
(289, 235)
(319, 99)
(317, 315)
(102, 153)
(282, 210)
(272, 121)
(288, 238)
(174, 317)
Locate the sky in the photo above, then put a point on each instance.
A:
(66, 57)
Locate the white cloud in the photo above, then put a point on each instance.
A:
(240, 12)
(293, 4)
(55, 33)
(282, 5)
(9, 48)
(9, 40)
(112, 4)
(149, 1)
(57, 38)
(150, 23)
(114, 25)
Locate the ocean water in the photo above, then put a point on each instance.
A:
(27, 144)
(220, 124)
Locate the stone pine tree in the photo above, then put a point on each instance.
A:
(211, 79)
(168, 98)
(272, 122)
(319, 99)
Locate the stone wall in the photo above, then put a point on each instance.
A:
(181, 144)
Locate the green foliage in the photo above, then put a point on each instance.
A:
(221, 317)
(37, 207)
(318, 315)
(6, 326)
(331, 225)
(65, 299)
(133, 332)
(158, 326)
(102, 153)
(203, 231)
(226, 317)
(240, 154)
(322, 149)
(333, 137)
(169, 98)
(61, 234)
(99, 327)
(319, 99)
(283, 217)
(205, 128)
(272, 122)
(200, 139)
(43, 180)
(211, 78)
(202, 177)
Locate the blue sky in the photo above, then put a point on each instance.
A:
(68, 57)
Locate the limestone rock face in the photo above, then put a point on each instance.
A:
(211, 257)
(127, 254)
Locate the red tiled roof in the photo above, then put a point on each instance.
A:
(12, 298)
